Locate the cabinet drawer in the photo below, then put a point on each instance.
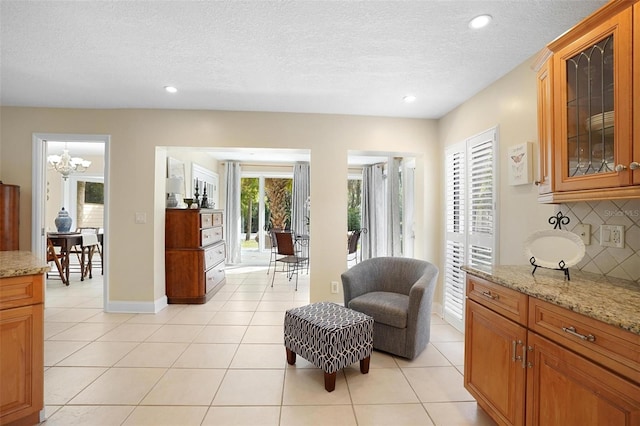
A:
(607, 345)
(21, 291)
(214, 278)
(206, 220)
(214, 255)
(509, 303)
(217, 219)
(210, 235)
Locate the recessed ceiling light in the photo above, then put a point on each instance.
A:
(480, 21)
(170, 89)
(408, 99)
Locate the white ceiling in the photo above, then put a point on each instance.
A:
(342, 57)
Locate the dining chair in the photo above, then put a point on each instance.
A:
(53, 256)
(274, 248)
(353, 238)
(289, 255)
(87, 249)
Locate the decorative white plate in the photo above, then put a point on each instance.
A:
(596, 122)
(551, 246)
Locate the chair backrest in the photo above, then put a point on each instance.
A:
(395, 274)
(88, 230)
(352, 241)
(274, 241)
(284, 241)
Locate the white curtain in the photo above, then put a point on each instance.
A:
(373, 212)
(408, 194)
(233, 216)
(300, 198)
(394, 242)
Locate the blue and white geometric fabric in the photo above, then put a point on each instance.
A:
(328, 335)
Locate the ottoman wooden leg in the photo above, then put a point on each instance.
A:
(364, 365)
(330, 381)
(291, 356)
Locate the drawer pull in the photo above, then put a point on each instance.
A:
(490, 296)
(572, 331)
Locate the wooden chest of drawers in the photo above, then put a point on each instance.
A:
(194, 254)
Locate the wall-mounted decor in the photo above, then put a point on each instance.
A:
(519, 167)
(207, 183)
(175, 169)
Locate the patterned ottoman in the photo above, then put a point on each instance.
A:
(329, 336)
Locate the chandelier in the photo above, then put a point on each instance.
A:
(65, 164)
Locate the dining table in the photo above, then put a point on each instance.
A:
(66, 241)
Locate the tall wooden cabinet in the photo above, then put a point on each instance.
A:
(9, 217)
(194, 254)
(530, 362)
(588, 96)
(21, 349)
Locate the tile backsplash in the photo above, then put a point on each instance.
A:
(614, 262)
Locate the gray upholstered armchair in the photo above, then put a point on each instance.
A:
(397, 292)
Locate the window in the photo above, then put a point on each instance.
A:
(470, 216)
(89, 202)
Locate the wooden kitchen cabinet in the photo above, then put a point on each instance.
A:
(194, 254)
(587, 146)
(531, 362)
(21, 349)
(493, 372)
(636, 92)
(566, 389)
(544, 69)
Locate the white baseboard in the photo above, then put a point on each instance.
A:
(138, 307)
(436, 308)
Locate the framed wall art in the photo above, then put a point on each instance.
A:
(519, 169)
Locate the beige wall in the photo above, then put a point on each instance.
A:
(510, 103)
(136, 173)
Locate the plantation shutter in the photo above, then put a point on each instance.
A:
(470, 185)
(481, 195)
(453, 303)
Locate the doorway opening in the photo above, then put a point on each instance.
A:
(265, 204)
(83, 194)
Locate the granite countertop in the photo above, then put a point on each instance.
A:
(610, 300)
(17, 263)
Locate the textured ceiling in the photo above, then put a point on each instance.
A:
(342, 57)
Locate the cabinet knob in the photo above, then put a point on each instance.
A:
(634, 165)
(537, 183)
(620, 168)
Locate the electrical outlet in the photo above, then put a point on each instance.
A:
(612, 236)
(334, 287)
(583, 230)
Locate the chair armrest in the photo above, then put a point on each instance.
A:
(421, 299)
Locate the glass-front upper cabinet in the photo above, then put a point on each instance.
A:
(593, 104)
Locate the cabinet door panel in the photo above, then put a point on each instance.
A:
(565, 389)
(21, 360)
(493, 371)
(593, 108)
(636, 92)
(545, 128)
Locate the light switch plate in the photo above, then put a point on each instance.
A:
(583, 230)
(612, 236)
(141, 218)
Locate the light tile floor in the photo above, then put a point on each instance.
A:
(223, 363)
